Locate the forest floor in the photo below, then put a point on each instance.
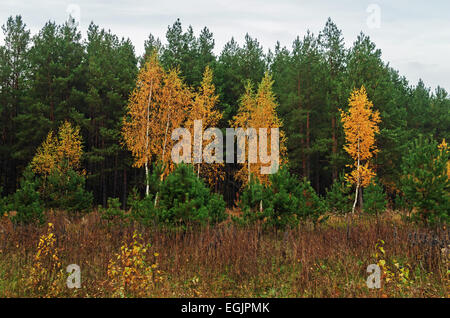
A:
(329, 260)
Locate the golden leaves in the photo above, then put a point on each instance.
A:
(443, 147)
(360, 126)
(59, 152)
(258, 110)
(130, 272)
(45, 276)
(158, 104)
(204, 109)
(136, 124)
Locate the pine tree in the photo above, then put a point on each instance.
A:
(56, 86)
(14, 76)
(110, 78)
(334, 54)
(375, 198)
(425, 183)
(338, 197)
(26, 201)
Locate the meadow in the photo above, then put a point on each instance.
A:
(127, 259)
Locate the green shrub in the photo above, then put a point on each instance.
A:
(339, 196)
(26, 201)
(374, 198)
(312, 206)
(424, 182)
(284, 202)
(142, 210)
(184, 198)
(250, 202)
(66, 191)
(113, 210)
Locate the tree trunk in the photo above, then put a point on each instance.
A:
(147, 185)
(124, 200)
(302, 140)
(308, 146)
(164, 152)
(334, 148)
(360, 199)
(357, 184)
(248, 170)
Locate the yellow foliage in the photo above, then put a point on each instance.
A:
(158, 104)
(204, 109)
(360, 126)
(444, 148)
(393, 273)
(46, 157)
(141, 104)
(173, 105)
(45, 277)
(62, 152)
(258, 110)
(131, 273)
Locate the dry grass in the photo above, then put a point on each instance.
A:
(229, 261)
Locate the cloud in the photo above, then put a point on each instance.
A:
(414, 35)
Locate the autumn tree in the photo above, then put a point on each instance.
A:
(204, 109)
(61, 152)
(136, 129)
(258, 111)
(158, 104)
(173, 103)
(360, 126)
(57, 165)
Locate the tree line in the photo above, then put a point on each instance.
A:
(56, 76)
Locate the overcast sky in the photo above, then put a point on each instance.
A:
(414, 35)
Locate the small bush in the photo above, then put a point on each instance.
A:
(374, 199)
(26, 201)
(66, 191)
(133, 272)
(45, 276)
(184, 198)
(113, 210)
(425, 183)
(142, 210)
(284, 202)
(338, 197)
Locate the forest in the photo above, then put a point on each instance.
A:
(85, 145)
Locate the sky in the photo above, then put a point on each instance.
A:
(414, 35)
